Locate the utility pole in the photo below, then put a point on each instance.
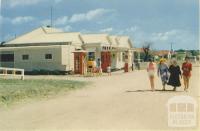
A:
(51, 16)
(171, 46)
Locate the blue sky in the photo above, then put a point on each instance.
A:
(158, 21)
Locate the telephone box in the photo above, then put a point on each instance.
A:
(80, 62)
(105, 60)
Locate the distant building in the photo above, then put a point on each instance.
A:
(162, 54)
(181, 55)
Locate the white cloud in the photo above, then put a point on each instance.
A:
(61, 20)
(181, 38)
(45, 22)
(9, 37)
(67, 28)
(14, 3)
(22, 19)
(132, 29)
(85, 31)
(107, 30)
(90, 15)
(4, 19)
(163, 36)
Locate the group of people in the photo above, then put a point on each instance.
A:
(170, 75)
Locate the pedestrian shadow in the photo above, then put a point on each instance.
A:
(157, 90)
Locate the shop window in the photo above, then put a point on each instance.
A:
(91, 56)
(7, 57)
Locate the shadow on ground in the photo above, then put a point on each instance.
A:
(129, 91)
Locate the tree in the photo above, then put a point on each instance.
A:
(194, 52)
(180, 50)
(146, 48)
(2, 43)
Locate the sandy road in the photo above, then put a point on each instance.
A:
(122, 101)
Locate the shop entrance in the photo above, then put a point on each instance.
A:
(105, 60)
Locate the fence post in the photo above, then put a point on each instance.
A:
(22, 75)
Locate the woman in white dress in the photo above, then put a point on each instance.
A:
(151, 69)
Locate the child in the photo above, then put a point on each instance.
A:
(109, 70)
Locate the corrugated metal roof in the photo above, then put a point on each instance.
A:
(114, 41)
(47, 35)
(96, 38)
(124, 41)
(52, 35)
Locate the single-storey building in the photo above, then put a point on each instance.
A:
(52, 49)
(110, 49)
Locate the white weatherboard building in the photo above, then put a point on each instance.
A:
(51, 49)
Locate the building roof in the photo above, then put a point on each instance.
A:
(161, 52)
(49, 35)
(46, 35)
(124, 41)
(96, 38)
(138, 50)
(114, 41)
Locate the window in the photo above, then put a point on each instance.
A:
(123, 57)
(25, 57)
(7, 57)
(48, 56)
(91, 56)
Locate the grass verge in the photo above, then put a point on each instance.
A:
(13, 91)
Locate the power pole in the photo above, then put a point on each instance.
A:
(51, 16)
(171, 46)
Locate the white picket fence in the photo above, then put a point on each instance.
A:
(12, 72)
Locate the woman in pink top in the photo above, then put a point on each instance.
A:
(151, 69)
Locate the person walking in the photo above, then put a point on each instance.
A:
(151, 68)
(133, 65)
(186, 68)
(163, 72)
(109, 70)
(175, 73)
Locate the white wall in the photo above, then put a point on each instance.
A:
(37, 57)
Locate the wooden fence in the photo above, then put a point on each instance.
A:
(12, 72)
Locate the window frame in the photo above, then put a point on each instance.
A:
(24, 58)
(9, 58)
(48, 58)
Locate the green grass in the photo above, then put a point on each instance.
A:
(13, 91)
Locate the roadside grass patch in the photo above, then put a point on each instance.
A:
(13, 91)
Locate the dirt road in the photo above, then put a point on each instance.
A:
(122, 101)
